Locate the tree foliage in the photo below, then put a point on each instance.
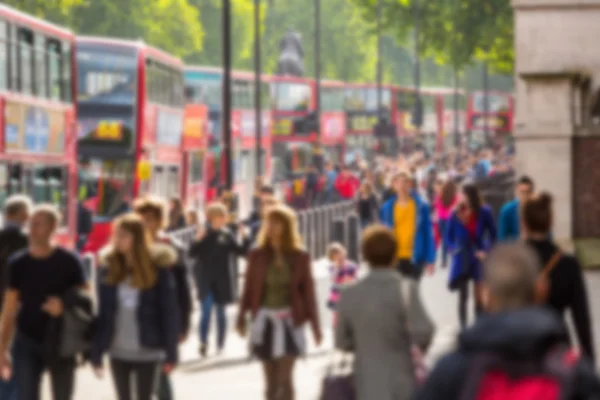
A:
(454, 34)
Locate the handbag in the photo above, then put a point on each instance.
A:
(339, 385)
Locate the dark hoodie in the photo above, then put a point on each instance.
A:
(527, 334)
(567, 291)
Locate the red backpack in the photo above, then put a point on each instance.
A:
(496, 378)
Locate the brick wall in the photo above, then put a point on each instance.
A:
(586, 187)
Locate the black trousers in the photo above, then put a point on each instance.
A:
(409, 270)
(463, 300)
(29, 365)
(146, 377)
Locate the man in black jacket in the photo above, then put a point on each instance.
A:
(516, 331)
(12, 240)
(154, 215)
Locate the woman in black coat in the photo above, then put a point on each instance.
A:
(215, 269)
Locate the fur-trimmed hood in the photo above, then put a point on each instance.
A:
(163, 255)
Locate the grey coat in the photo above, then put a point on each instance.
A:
(372, 323)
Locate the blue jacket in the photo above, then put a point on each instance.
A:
(509, 224)
(424, 247)
(464, 264)
(157, 313)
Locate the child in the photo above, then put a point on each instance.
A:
(343, 272)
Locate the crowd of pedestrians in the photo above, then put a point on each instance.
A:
(416, 212)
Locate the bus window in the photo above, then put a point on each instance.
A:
(3, 56)
(332, 99)
(41, 79)
(291, 96)
(106, 76)
(371, 99)
(54, 70)
(354, 99)
(67, 88)
(173, 182)
(497, 103)
(25, 60)
(195, 167)
(242, 94)
(265, 96)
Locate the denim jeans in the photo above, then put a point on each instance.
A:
(206, 312)
(29, 365)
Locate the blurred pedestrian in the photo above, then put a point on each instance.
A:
(214, 252)
(139, 322)
(279, 294)
(342, 271)
(444, 206)
(312, 185)
(509, 221)
(330, 178)
(567, 290)
(153, 216)
(266, 203)
(256, 194)
(373, 324)
(38, 279)
(367, 205)
(470, 235)
(192, 218)
(519, 350)
(346, 184)
(410, 219)
(17, 209)
(176, 215)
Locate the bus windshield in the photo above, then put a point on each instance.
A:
(106, 76)
(289, 96)
(497, 103)
(106, 187)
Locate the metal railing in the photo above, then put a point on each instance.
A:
(318, 227)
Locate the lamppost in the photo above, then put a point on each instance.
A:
(418, 114)
(226, 121)
(379, 64)
(257, 89)
(318, 68)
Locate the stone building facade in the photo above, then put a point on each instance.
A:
(557, 126)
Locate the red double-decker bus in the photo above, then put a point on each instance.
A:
(130, 117)
(38, 154)
(499, 118)
(361, 105)
(204, 85)
(294, 139)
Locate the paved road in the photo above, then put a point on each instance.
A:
(232, 376)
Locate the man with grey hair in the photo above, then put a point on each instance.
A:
(519, 340)
(12, 240)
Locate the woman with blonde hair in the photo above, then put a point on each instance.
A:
(138, 324)
(280, 296)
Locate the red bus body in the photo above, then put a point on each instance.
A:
(204, 86)
(131, 115)
(193, 146)
(38, 153)
(500, 117)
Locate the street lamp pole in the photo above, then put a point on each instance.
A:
(379, 63)
(257, 89)
(318, 68)
(418, 121)
(226, 122)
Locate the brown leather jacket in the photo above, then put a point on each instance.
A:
(304, 304)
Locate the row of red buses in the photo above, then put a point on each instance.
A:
(204, 86)
(38, 154)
